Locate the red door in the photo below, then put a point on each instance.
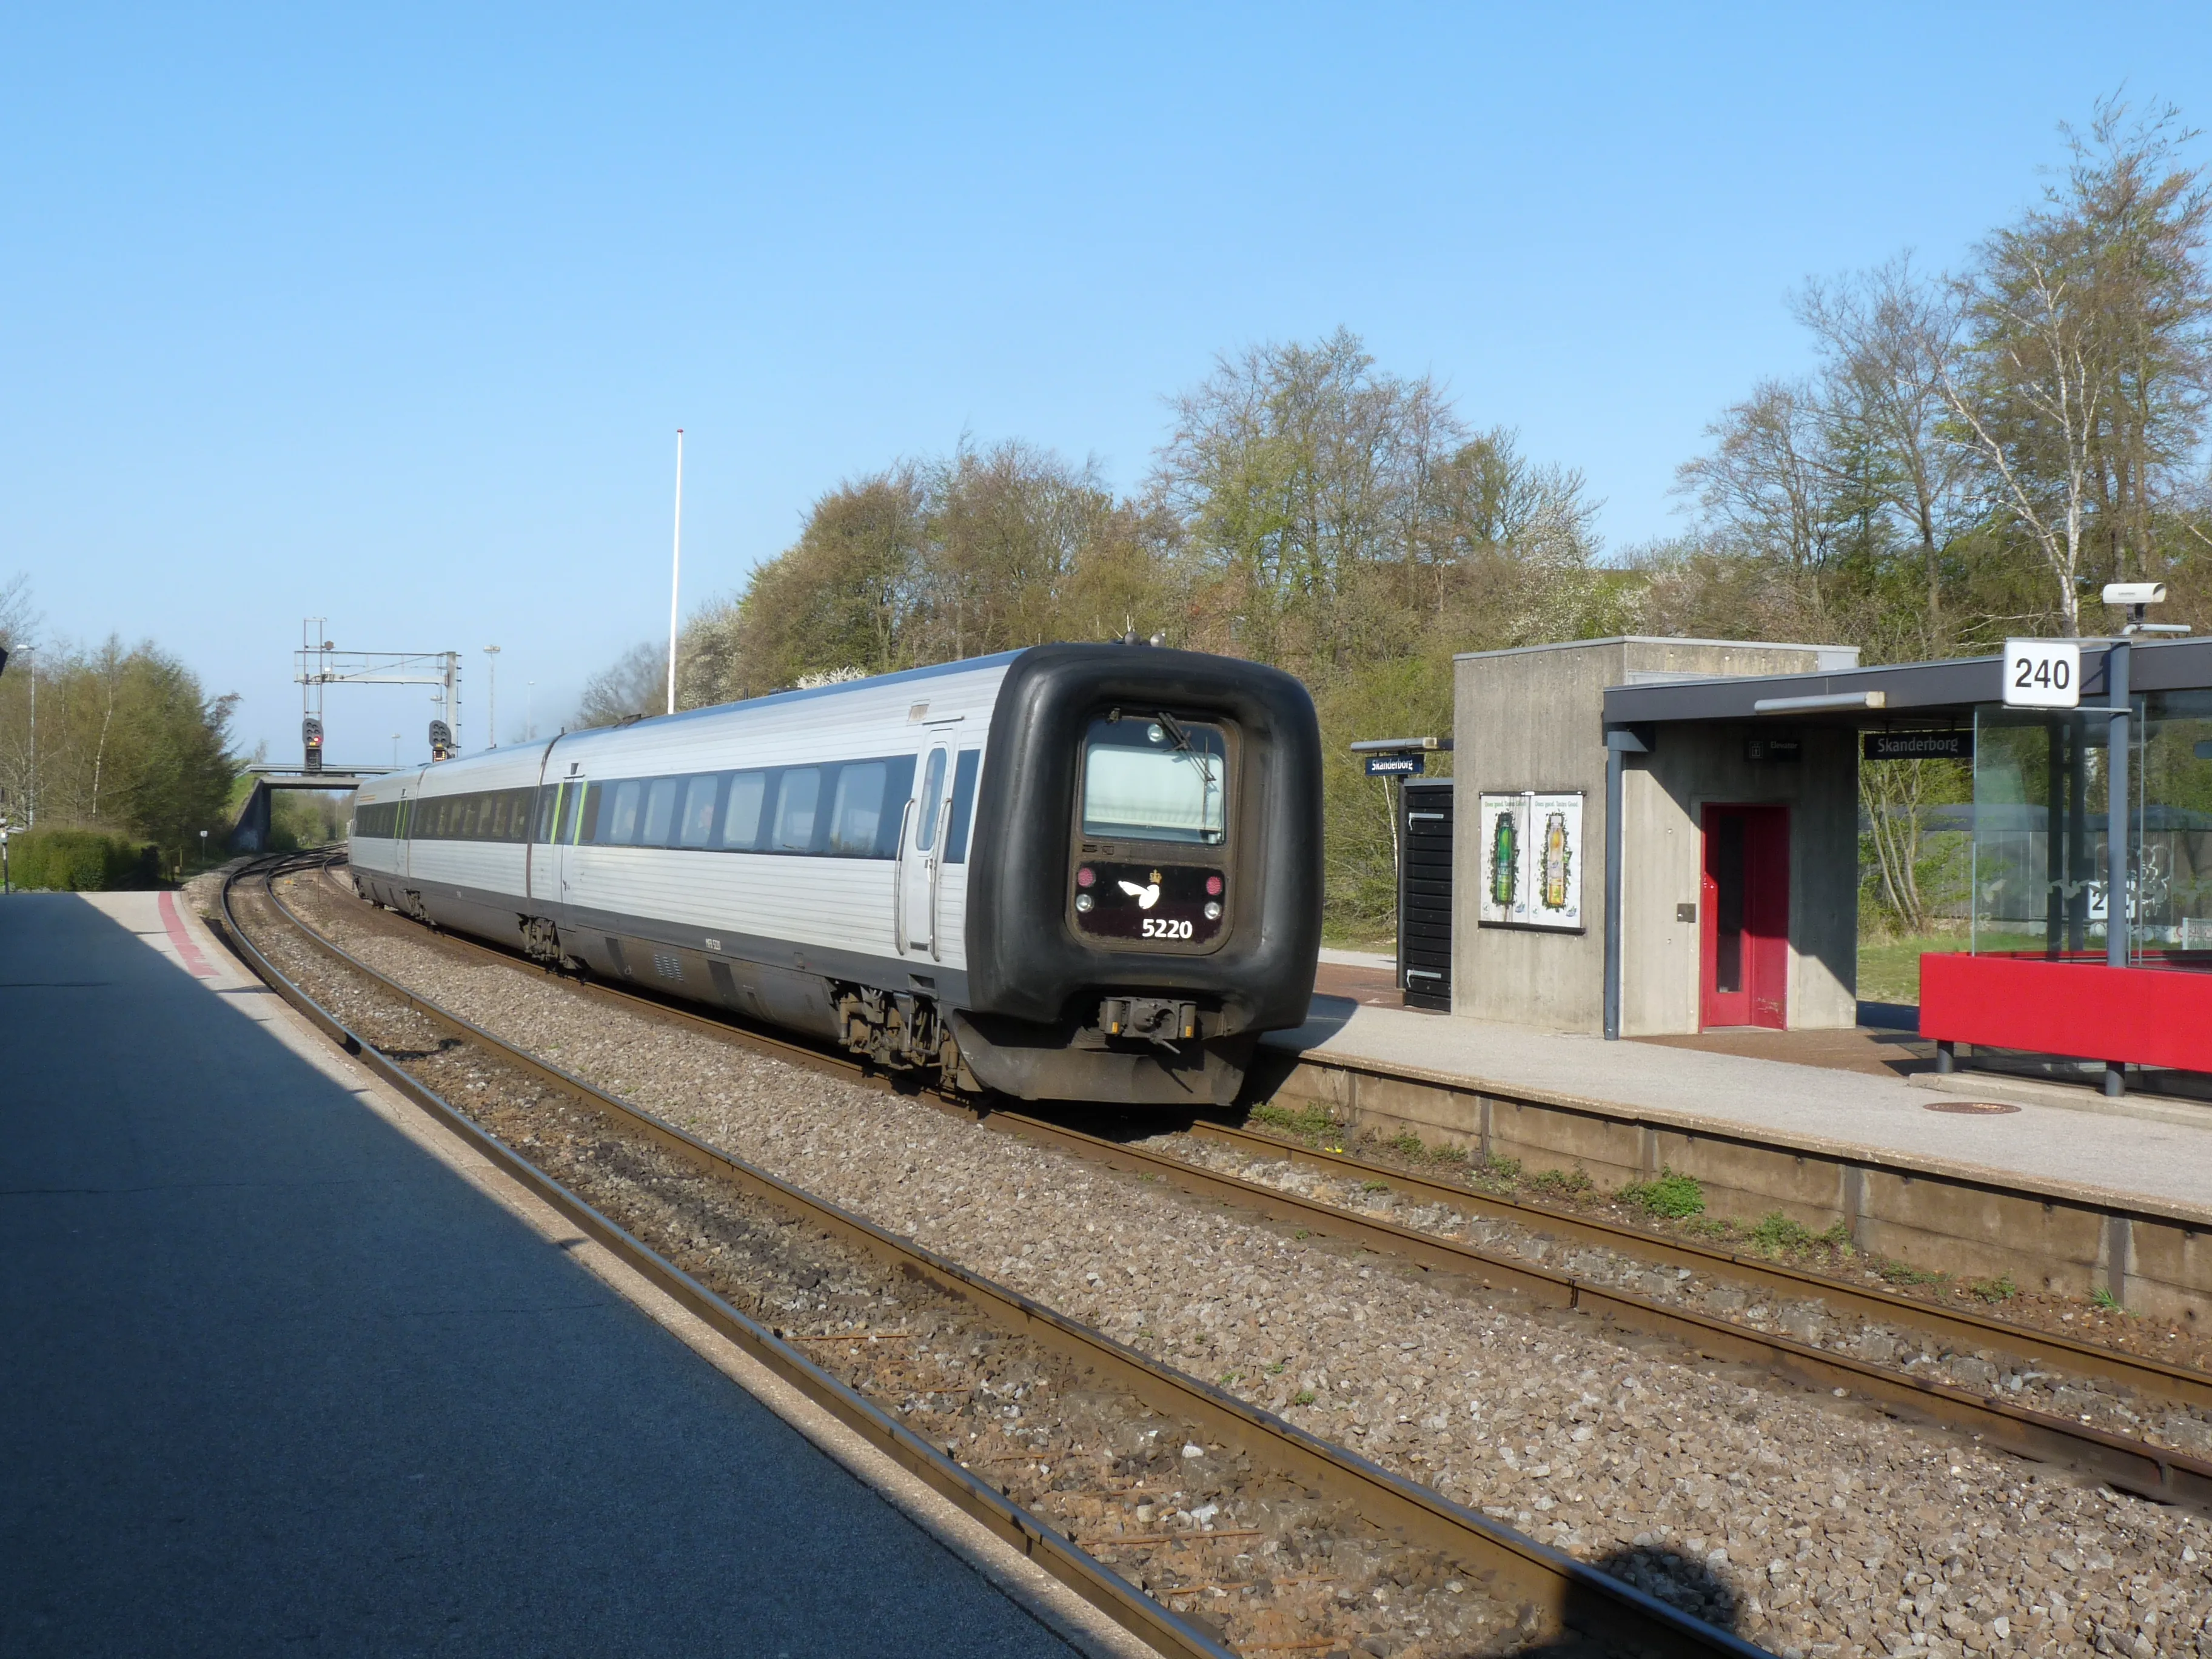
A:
(1746, 910)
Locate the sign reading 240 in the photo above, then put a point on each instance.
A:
(2042, 674)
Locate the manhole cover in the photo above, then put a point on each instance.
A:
(1971, 1107)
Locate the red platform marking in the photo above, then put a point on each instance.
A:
(183, 940)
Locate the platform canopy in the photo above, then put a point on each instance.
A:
(1901, 695)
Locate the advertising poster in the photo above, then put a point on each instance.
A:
(1504, 824)
(1532, 860)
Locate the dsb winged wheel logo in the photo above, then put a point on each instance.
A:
(1146, 897)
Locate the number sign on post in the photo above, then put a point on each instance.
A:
(2042, 674)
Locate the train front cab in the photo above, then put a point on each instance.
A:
(1146, 899)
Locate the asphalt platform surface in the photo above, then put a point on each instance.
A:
(273, 1379)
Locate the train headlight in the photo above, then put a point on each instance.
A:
(1213, 911)
(1084, 901)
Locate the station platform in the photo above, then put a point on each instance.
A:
(1855, 1098)
(277, 1376)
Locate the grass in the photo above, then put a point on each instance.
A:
(1671, 1195)
(2104, 1300)
(1889, 968)
(1560, 1183)
(1303, 1397)
(1314, 1124)
(1898, 1273)
(1992, 1290)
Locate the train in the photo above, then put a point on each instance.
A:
(1082, 872)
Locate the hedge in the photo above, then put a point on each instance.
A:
(80, 860)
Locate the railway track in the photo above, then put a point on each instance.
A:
(2126, 1462)
(1541, 1591)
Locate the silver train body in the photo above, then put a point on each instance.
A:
(1083, 872)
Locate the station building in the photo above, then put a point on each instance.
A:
(1661, 837)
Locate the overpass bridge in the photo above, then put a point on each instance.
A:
(251, 833)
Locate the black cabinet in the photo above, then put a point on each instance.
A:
(1424, 892)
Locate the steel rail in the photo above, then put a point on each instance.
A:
(2177, 1383)
(1096, 1582)
(1513, 1569)
(2130, 1465)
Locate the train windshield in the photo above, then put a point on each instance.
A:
(1152, 777)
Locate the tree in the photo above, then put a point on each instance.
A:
(1887, 343)
(635, 683)
(2087, 360)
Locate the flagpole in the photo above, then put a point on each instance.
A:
(675, 570)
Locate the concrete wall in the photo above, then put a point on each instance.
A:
(2152, 1258)
(1533, 718)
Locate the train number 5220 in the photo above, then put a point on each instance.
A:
(1166, 927)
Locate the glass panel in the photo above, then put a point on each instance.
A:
(794, 808)
(927, 803)
(622, 830)
(858, 809)
(659, 811)
(1727, 865)
(963, 805)
(698, 827)
(741, 816)
(2174, 833)
(541, 829)
(1140, 783)
(2039, 823)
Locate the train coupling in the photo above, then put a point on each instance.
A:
(1155, 1019)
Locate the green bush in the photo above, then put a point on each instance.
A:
(1672, 1195)
(80, 860)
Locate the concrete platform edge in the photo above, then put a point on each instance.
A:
(2082, 1194)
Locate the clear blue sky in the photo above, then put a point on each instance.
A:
(390, 315)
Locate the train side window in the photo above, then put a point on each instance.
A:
(593, 814)
(794, 808)
(622, 830)
(741, 816)
(963, 805)
(857, 809)
(659, 812)
(520, 804)
(499, 809)
(925, 803)
(698, 824)
(541, 823)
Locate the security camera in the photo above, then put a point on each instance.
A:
(2138, 597)
(2135, 592)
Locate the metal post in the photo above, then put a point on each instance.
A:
(674, 570)
(1620, 742)
(2118, 927)
(491, 696)
(31, 788)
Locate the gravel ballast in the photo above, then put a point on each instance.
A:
(1820, 1528)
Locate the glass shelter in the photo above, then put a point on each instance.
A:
(2043, 827)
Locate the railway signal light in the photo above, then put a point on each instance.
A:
(310, 737)
(442, 741)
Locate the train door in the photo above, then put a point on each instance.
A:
(921, 850)
(403, 847)
(550, 877)
(1745, 948)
